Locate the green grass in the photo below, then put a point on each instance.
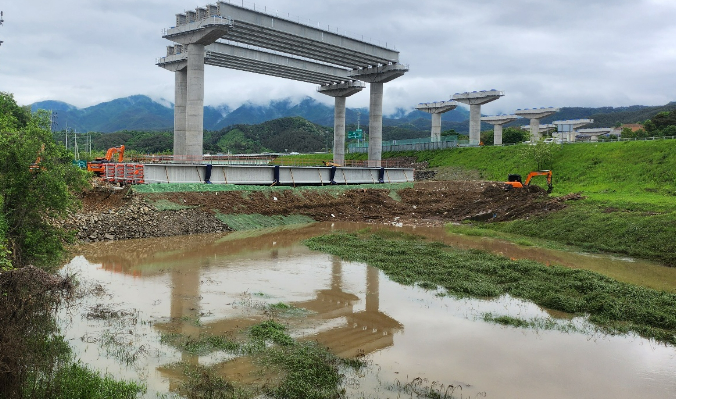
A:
(615, 307)
(629, 188)
(302, 369)
(636, 170)
(202, 345)
(165, 205)
(77, 381)
(639, 230)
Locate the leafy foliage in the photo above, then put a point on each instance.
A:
(279, 135)
(542, 154)
(37, 184)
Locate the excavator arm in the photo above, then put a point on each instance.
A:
(97, 166)
(514, 181)
(547, 173)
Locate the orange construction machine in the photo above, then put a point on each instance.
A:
(35, 166)
(516, 180)
(98, 165)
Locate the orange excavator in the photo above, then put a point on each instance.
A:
(98, 165)
(35, 166)
(515, 181)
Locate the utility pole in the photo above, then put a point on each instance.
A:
(1, 21)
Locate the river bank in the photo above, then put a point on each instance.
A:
(117, 213)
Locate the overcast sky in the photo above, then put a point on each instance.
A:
(540, 53)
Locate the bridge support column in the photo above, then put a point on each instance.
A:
(340, 91)
(497, 134)
(535, 115)
(374, 149)
(180, 119)
(475, 99)
(435, 128)
(474, 124)
(377, 76)
(195, 101)
(497, 122)
(534, 130)
(339, 132)
(436, 109)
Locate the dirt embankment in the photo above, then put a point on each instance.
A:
(111, 214)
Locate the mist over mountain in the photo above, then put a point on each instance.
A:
(141, 113)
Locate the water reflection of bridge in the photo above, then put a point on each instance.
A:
(334, 320)
(358, 333)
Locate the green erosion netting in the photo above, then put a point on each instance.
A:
(201, 187)
(256, 221)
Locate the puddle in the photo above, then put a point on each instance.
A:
(220, 284)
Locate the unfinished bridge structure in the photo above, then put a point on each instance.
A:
(236, 37)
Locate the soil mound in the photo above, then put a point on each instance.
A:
(111, 214)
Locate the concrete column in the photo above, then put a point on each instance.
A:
(339, 132)
(474, 124)
(185, 303)
(497, 134)
(534, 130)
(372, 297)
(374, 149)
(195, 101)
(435, 128)
(180, 113)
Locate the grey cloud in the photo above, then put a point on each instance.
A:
(553, 52)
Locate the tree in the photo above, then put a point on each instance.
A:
(513, 135)
(38, 184)
(487, 137)
(664, 119)
(543, 154)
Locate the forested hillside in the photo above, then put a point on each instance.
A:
(140, 113)
(279, 135)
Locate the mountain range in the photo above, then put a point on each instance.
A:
(141, 113)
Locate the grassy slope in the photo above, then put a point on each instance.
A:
(629, 188)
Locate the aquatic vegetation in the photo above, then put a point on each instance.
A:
(616, 307)
(301, 369)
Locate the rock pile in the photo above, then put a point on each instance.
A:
(138, 219)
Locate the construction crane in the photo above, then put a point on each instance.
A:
(1, 21)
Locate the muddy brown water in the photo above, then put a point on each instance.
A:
(407, 334)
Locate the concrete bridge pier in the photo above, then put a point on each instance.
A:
(377, 76)
(436, 109)
(180, 118)
(475, 99)
(374, 149)
(190, 88)
(340, 91)
(194, 128)
(498, 122)
(535, 115)
(567, 129)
